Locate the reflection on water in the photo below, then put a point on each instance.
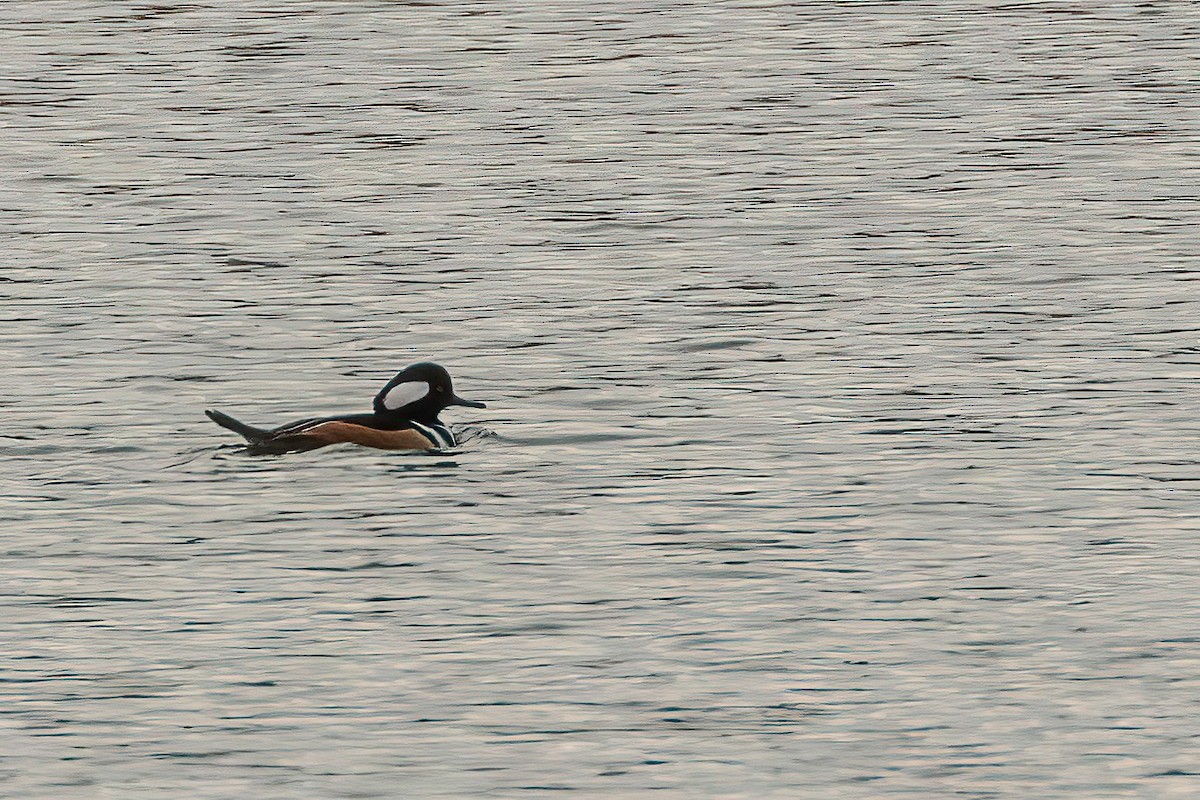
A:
(840, 371)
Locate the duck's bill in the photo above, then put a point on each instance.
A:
(462, 401)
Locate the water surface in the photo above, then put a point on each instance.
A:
(840, 362)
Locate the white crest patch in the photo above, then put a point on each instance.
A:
(402, 394)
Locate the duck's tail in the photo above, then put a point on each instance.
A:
(251, 433)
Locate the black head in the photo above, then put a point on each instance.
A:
(419, 392)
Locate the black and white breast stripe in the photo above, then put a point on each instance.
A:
(439, 434)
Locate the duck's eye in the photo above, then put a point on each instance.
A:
(440, 389)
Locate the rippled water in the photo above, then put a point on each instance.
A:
(841, 365)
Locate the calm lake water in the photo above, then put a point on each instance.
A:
(841, 364)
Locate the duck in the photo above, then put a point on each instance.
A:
(404, 417)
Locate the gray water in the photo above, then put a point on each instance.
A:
(841, 365)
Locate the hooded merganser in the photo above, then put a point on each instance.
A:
(405, 418)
